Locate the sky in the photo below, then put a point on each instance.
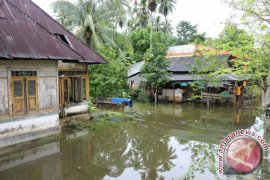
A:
(209, 15)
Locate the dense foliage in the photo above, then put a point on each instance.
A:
(188, 33)
(108, 80)
(95, 22)
(252, 49)
(140, 39)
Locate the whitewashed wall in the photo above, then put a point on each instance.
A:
(3, 97)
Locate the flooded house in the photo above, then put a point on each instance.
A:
(43, 72)
(179, 89)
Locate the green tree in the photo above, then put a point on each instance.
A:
(207, 71)
(140, 17)
(95, 22)
(140, 39)
(108, 80)
(256, 12)
(168, 28)
(255, 18)
(234, 39)
(158, 24)
(166, 7)
(155, 68)
(188, 33)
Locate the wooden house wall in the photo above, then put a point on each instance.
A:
(47, 79)
(71, 66)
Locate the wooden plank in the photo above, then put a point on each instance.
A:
(18, 101)
(71, 66)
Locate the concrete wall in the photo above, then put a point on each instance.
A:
(172, 95)
(48, 96)
(28, 128)
(76, 108)
(3, 97)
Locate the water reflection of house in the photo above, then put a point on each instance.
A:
(43, 69)
(181, 59)
(69, 158)
(77, 158)
(41, 162)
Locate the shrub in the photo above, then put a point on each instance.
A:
(143, 96)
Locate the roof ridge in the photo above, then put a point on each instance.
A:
(67, 31)
(26, 15)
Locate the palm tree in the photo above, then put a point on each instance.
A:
(142, 15)
(158, 24)
(167, 27)
(152, 6)
(95, 22)
(166, 7)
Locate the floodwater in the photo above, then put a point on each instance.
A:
(166, 142)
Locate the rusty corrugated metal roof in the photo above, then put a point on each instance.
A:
(26, 31)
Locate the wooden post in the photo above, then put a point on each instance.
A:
(174, 96)
(234, 94)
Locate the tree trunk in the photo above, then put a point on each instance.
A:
(151, 32)
(208, 102)
(266, 93)
(207, 97)
(265, 97)
(166, 26)
(156, 96)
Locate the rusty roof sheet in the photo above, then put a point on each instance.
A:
(181, 49)
(26, 31)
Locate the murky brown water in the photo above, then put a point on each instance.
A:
(167, 142)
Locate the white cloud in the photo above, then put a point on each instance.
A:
(45, 5)
(210, 15)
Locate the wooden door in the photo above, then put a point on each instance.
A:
(31, 93)
(18, 97)
(78, 89)
(64, 94)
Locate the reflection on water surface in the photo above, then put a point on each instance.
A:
(166, 142)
